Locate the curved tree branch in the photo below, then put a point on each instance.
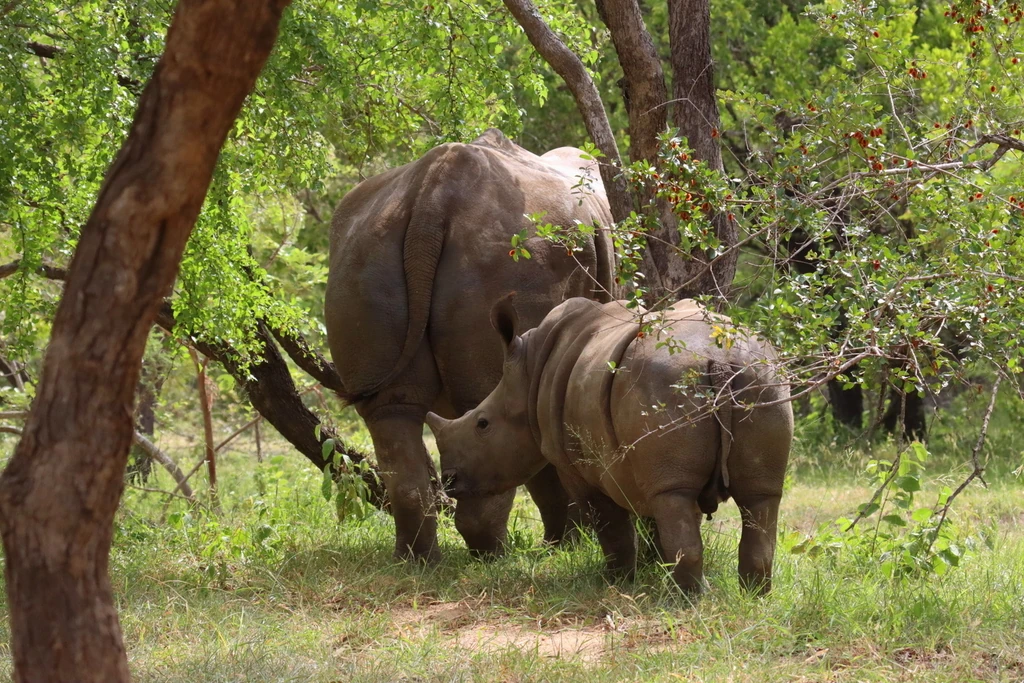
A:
(43, 50)
(644, 84)
(270, 387)
(306, 357)
(172, 467)
(569, 66)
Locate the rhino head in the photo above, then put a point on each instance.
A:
(491, 448)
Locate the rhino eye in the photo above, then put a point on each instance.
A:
(482, 423)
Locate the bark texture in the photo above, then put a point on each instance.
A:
(60, 491)
(644, 81)
(588, 100)
(695, 114)
(646, 96)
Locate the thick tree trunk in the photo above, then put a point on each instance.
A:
(668, 277)
(646, 96)
(697, 118)
(61, 489)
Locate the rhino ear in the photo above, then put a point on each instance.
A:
(505, 320)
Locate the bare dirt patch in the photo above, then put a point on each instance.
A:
(473, 627)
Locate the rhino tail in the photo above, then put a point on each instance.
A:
(421, 252)
(717, 489)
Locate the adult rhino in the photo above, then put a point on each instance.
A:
(418, 257)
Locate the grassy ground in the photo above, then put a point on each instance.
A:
(274, 589)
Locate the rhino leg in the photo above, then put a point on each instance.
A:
(406, 467)
(616, 533)
(482, 522)
(757, 543)
(559, 514)
(678, 518)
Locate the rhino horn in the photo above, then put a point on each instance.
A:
(436, 423)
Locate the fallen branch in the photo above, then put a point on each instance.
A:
(170, 494)
(172, 467)
(272, 392)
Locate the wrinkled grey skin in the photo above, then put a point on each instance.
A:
(627, 441)
(418, 257)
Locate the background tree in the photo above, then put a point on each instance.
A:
(870, 156)
(811, 102)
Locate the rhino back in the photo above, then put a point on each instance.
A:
(663, 407)
(592, 444)
(567, 363)
(422, 250)
(366, 304)
(475, 269)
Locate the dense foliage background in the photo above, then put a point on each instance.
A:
(872, 152)
(873, 160)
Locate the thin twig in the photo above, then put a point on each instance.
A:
(170, 494)
(893, 471)
(205, 403)
(979, 469)
(237, 432)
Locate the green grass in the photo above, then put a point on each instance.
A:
(274, 589)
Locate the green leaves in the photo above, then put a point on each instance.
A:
(907, 541)
(326, 106)
(343, 481)
(519, 249)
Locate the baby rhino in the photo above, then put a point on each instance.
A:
(663, 420)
